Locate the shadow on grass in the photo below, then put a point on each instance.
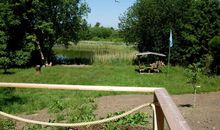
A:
(4, 102)
(7, 73)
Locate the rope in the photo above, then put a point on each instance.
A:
(155, 117)
(75, 124)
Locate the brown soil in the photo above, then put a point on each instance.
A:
(41, 115)
(205, 116)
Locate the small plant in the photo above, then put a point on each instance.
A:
(111, 126)
(57, 106)
(7, 125)
(193, 74)
(83, 113)
(130, 120)
(36, 127)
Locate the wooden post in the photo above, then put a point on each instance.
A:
(159, 114)
(170, 111)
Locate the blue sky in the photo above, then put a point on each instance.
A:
(107, 12)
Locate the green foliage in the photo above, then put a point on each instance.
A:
(29, 29)
(214, 46)
(140, 119)
(100, 33)
(193, 74)
(111, 126)
(133, 119)
(208, 62)
(56, 106)
(83, 113)
(21, 58)
(5, 62)
(7, 125)
(37, 127)
(147, 24)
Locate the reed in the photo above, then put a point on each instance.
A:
(97, 53)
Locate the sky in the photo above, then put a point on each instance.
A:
(107, 12)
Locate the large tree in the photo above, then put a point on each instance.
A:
(32, 27)
(193, 22)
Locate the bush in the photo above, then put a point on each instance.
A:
(214, 48)
(207, 62)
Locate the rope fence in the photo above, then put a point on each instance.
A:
(81, 123)
(163, 106)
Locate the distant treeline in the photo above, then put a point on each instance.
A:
(98, 32)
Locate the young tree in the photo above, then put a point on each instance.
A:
(193, 74)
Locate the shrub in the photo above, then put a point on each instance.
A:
(214, 47)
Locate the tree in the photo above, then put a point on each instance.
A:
(214, 47)
(4, 57)
(198, 28)
(6, 18)
(141, 24)
(33, 27)
(194, 23)
(193, 74)
(98, 32)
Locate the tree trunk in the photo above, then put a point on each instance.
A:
(5, 69)
(194, 98)
(41, 53)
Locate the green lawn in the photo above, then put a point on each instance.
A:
(76, 106)
(112, 67)
(112, 75)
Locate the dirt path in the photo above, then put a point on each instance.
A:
(206, 115)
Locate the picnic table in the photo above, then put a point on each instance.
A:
(150, 67)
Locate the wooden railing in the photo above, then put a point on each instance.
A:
(166, 110)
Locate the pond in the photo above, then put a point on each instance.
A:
(74, 57)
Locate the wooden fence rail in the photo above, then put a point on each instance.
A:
(165, 107)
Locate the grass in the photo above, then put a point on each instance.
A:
(99, 53)
(112, 66)
(109, 75)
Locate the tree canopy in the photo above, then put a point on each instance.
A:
(30, 28)
(98, 32)
(194, 23)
